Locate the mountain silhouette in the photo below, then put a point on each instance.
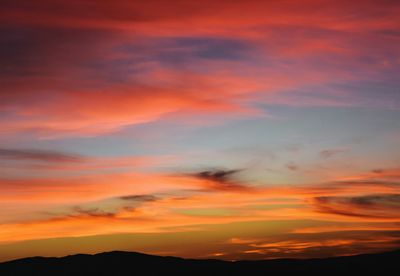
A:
(128, 263)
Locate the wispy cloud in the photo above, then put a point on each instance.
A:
(292, 166)
(331, 152)
(374, 206)
(40, 155)
(220, 179)
(139, 198)
(93, 212)
(127, 70)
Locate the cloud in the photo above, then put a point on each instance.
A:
(217, 175)
(139, 198)
(373, 206)
(110, 80)
(377, 171)
(125, 15)
(90, 68)
(93, 212)
(331, 153)
(134, 63)
(40, 155)
(222, 179)
(90, 187)
(109, 207)
(362, 227)
(117, 202)
(325, 244)
(292, 166)
(88, 163)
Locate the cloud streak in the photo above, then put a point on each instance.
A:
(139, 198)
(40, 155)
(373, 206)
(223, 180)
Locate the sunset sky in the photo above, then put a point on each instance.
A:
(201, 129)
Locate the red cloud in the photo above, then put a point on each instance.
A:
(89, 67)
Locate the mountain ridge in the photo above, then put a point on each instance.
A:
(135, 263)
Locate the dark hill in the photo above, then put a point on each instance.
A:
(127, 263)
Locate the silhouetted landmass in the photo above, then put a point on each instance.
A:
(126, 263)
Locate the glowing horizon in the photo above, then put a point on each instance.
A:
(234, 130)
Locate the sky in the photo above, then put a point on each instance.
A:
(200, 129)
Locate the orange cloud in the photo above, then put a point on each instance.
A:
(187, 201)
